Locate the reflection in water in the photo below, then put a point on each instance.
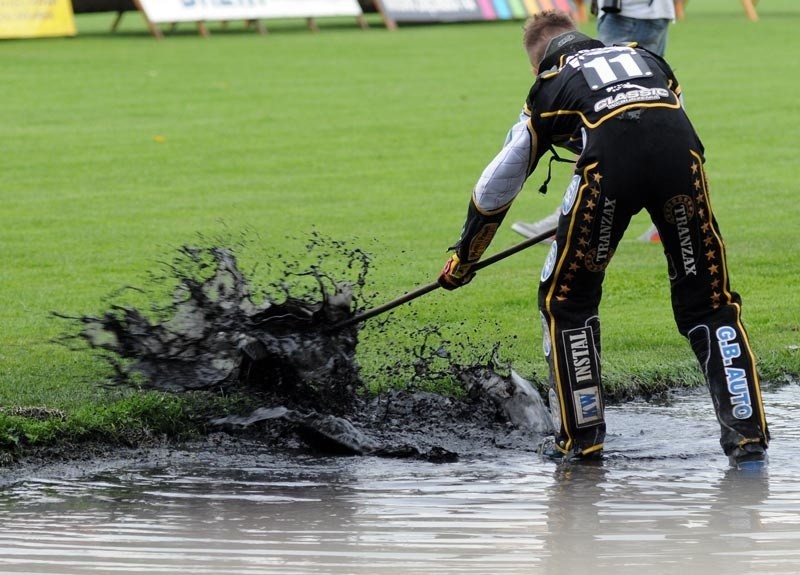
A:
(610, 521)
(663, 501)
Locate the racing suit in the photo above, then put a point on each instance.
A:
(619, 108)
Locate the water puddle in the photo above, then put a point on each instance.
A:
(663, 501)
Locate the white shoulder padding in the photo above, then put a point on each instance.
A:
(504, 177)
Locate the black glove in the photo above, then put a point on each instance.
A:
(455, 274)
(479, 229)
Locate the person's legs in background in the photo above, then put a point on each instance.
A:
(649, 34)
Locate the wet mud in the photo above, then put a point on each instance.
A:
(288, 352)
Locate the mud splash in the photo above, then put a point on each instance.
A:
(287, 351)
(212, 336)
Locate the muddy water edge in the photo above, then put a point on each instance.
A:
(663, 500)
(406, 483)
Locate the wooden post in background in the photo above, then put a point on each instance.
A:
(580, 13)
(750, 9)
(154, 30)
(680, 13)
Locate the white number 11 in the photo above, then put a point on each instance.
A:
(627, 65)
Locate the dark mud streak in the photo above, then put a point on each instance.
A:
(214, 337)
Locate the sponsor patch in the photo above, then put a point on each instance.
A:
(591, 260)
(550, 262)
(588, 406)
(680, 206)
(638, 94)
(604, 251)
(565, 39)
(735, 377)
(581, 358)
(547, 343)
(569, 196)
(481, 241)
(679, 211)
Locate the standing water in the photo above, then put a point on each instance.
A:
(662, 501)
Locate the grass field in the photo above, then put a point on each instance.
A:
(118, 148)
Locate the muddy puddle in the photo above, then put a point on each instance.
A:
(662, 501)
(432, 484)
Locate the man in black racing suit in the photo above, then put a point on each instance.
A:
(620, 109)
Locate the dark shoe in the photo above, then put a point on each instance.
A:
(749, 457)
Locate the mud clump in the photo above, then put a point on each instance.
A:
(214, 337)
(289, 351)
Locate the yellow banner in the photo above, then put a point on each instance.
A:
(35, 18)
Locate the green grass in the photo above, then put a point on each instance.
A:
(118, 148)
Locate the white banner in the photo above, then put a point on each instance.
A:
(432, 10)
(166, 11)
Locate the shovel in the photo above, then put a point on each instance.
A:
(412, 295)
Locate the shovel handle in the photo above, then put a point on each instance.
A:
(412, 295)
